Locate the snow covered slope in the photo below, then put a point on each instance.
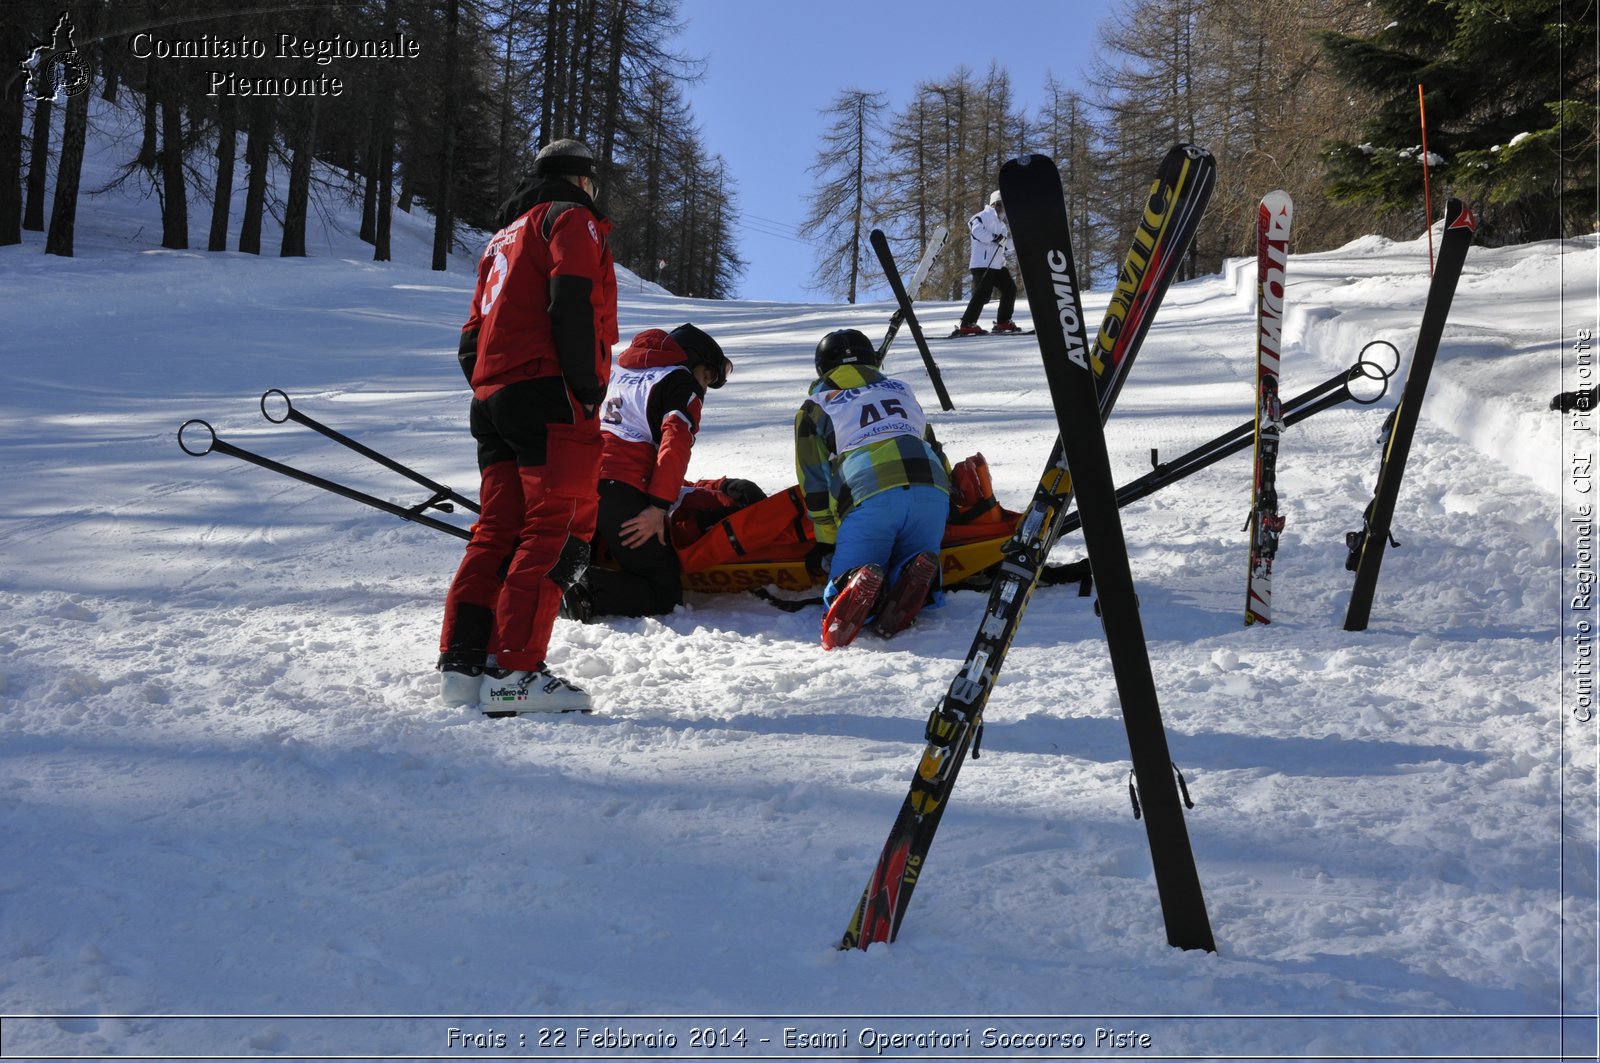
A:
(226, 786)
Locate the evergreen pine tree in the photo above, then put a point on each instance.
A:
(1512, 119)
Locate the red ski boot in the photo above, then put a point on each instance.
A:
(850, 609)
(905, 599)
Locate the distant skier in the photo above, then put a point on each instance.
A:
(649, 422)
(877, 487)
(990, 243)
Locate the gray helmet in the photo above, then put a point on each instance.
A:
(569, 158)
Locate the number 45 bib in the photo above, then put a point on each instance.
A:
(877, 411)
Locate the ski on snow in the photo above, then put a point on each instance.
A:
(1274, 220)
(1170, 214)
(1366, 545)
(914, 289)
(959, 335)
(880, 244)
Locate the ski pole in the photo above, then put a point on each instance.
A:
(441, 492)
(914, 288)
(1330, 393)
(880, 244)
(221, 446)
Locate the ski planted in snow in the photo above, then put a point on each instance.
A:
(1032, 191)
(891, 272)
(914, 289)
(1366, 545)
(1274, 219)
(1171, 212)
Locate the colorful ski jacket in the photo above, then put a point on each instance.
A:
(650, 418)
(545, 303)
(858, 433)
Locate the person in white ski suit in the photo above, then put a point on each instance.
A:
(990, 243)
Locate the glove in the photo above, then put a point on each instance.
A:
(819, 561)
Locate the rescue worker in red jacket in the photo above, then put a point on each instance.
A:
(537, 349)
(649, 422)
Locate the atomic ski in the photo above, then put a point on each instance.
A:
(1274, 218)
(914, 289)
(1366, 545)
(891, 272)
(1172, 210)
(1033, 196)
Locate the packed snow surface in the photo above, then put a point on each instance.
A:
(228, 789)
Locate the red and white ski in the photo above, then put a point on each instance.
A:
(1274, 218)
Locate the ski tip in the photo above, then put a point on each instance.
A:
(1030, 160)
(1459, 216)
(1278, 201)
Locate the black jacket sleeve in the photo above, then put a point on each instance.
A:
(572, 328)
(674, 392)
(467, 353)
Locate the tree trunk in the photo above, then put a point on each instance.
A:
(38, 160)
(222, 197)
(175, 197)
(11, 160)
(443, 223)
(408, 167)
(297, 206)
(369, 188)
(857, 191)
(652, 182)
(147, 143)
(384, 166)
(64, 210)
(579, 93)
(110, 72)
(547, 89)
(257, 154)
(610, 115)
(502, 156)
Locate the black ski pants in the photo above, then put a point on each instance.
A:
(649, 583)
(985, 282)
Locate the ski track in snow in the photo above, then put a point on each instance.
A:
(227, 786)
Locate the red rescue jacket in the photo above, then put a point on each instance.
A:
(650, 417)
(528, 317)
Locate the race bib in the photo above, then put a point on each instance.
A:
(877, 411)
(624, 413)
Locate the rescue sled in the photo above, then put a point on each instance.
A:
(766, 545)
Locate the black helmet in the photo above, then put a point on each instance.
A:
(702, 350)
(845, 346)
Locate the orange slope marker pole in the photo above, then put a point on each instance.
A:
(1427, 186)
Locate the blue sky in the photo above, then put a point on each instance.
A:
(772, 68)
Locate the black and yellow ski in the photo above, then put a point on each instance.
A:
(1170, 215)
